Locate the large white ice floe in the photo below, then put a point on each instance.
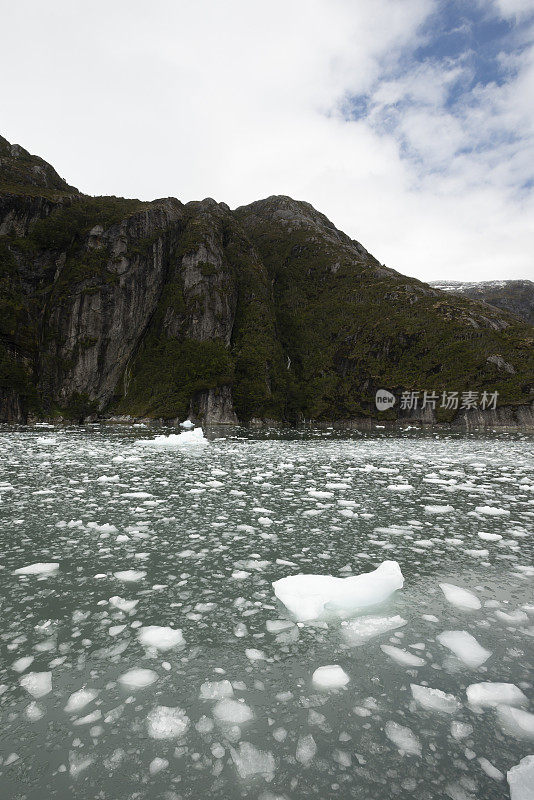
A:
(185, 439)
(403, 738)
(516, 721)
(130, 575)
(79, 700)
(491, 695)
(161, 638)
(461, 598)
(41, 569)
(465, 647)
(38, 684)
(521, 779)
(310, 597)
(249, 761)
(232, 712)
(216, 690)
(138, 678)
(331, 676)
(167, 722)
(402, 657)
(434, 699)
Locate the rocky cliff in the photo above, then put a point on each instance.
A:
(162, 309)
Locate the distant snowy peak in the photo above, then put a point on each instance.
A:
(516, 297)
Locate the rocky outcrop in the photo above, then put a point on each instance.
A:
(517, 297)
(161, 310)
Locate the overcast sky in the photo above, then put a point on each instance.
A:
(410, 123)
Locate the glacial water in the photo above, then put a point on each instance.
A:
(96, 703)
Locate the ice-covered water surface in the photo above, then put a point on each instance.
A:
(146, 655)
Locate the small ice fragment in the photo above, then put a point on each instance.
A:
(491, 695)
(130, 575)
(521, 779)
(89, 718)
(38, 684)
(490, 769)
(249, 761)
(492, 511)
(232, 712)
(306, 749)
(403, 738)
(434, 699)
(167, 722)
(465, 647)
(461, 598)
(187, 425)
(331, 676)
(402, 656)
(436, 510)
(161, 638)
(157, 765)
(516, 721)
(138, 678)
(459, 730)
(255, 655)
(22, 664)
(216, 690)
(310, 597)
(123, 605)
(79, 700)
(359, 631)
(40, 568)
(278, 625)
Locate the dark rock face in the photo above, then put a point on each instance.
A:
(517, 297)
(163, 310)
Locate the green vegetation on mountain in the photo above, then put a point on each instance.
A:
(117, 306)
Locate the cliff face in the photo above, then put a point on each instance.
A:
(517, 297)
(163, 309)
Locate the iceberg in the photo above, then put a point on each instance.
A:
(516, 722)
(38, 684)
(249, 761)
(331, 676)
(434, 699)
(491, 695)
(403, 738)
(167, 722)
(310, 597)
(461, 598)
(138, 678)
(185, 439)
(38, 569)
(465, 647)
(161, 638)
(359, 631)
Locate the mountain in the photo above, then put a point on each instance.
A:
(517, 297)
(160, 309)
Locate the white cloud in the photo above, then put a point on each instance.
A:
(240, 100)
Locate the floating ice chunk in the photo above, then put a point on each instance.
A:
(162, 638)
(157, 765)
(400, 487)
(138, 678)
(490, 695)
(465, 647)
(434, 699)
(358, 631)
(461, 598)
(521, 779)
(47, 440)
(490, 770)
(516, 721)
(216, 690)
(40, 568)
(249, 761)
(187, 425)
(38, 684)
(79, 763)
(22, 664)
(186, 439)
(123, 605)
(255, 655)
(89, 719)
(306, 749)
(459, 730)
(331, 676)
(402, 656)
(278, 625)
(167, 722)
(130, 575)
(310, 597)
(492, 511)
(516, 617)
(436, 510)
(403, 738)
(232, 712)
(80, 699)
(489, 537)
(34, 711)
